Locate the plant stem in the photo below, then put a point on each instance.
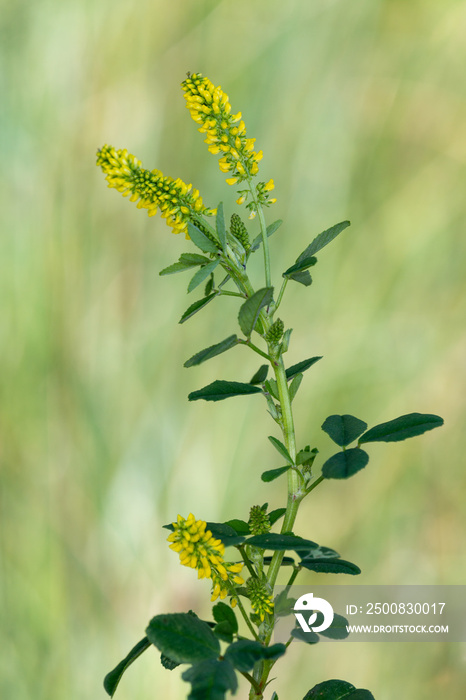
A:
(280, 295)
(246, 560)
(255, 348)
(294, 497)
(263, 228)
(254, 684)
(246, 619)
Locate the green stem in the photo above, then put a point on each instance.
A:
(252, 681)
(246, 559)
(255, 348)
(294, 495)
(280, 295)
(225, 293)
(246, 619)
(263, 227)
(316, 483)
(296, 571)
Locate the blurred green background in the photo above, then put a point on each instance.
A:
(360, 108)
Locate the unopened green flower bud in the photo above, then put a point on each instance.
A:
(275, 332)
(259, 522)
(261, 601)
(239, 231)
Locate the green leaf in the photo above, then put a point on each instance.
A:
(250, 310)
(271, 388)
(113, 678)
(343, 429)
(294, 386)
(220, 389)
(197, 306)
(270, 230)
(274, 696)
(280, 447)
(360, 694)
(301, 277)
(183, 637)
(220, 223)
(225, 533)
(227, 624)
(300, 265)
(186, 262)
(330, 690)
(209, 286)
(210, 680)
(402, 428)
(244, 653)
(239, 526)
(202, 274)
(212, 351)
(323, 239)
(272, 474)
(280, 543)
(286, 561)
(308, 637)
(193, 259)
(338, 628)
(261, 375)
(222, 612)
(282, 604)
(330, 566)
(200, 239)
(301, 366)
(342, 465)
(276, 514)
(168, 663)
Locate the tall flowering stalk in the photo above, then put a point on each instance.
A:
(182, 638)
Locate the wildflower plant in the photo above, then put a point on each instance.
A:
(215, 651)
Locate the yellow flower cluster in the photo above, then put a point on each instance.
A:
(261, 601)
(199, 549)
(178, 202)
(225, 132)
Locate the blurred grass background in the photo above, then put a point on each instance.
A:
(360, 110)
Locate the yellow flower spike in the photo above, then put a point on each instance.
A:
(125, 174)
(210, 106)
(270, 185)
(199, 549)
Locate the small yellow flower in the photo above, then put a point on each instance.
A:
(199, 549)
(178, 203)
